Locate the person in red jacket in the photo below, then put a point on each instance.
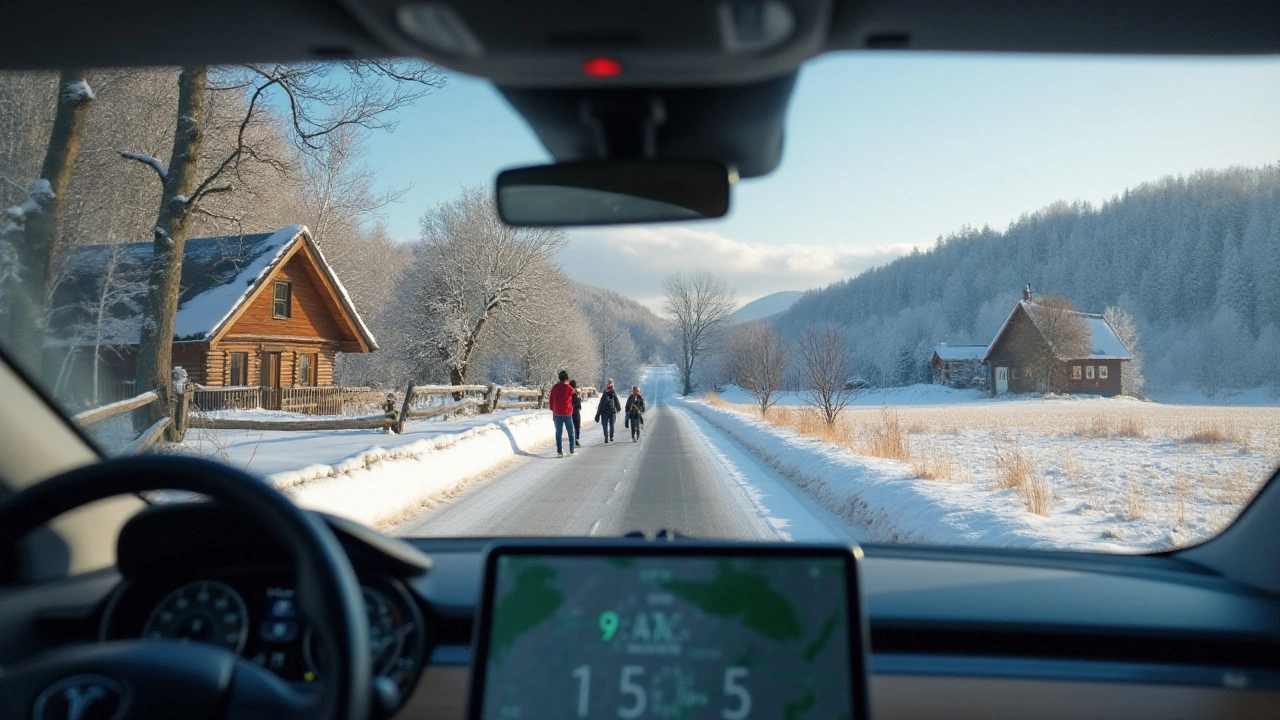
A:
(561, 402)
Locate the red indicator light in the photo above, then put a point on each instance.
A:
(601, 67)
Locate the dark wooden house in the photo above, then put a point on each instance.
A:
(1014, 364)
(261, 310)
(958, 366)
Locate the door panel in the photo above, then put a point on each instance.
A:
(271, 380)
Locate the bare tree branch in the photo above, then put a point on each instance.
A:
(154, 164)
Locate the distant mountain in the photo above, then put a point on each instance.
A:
(767, 305)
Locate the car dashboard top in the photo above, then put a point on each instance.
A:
(936, 615)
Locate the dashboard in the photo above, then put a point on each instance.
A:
(957, 632)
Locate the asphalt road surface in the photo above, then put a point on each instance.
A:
(668, 480)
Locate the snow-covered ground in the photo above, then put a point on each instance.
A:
(874, 397)
(1119, 474)
(376, 478)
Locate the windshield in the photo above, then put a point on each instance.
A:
(985, 300)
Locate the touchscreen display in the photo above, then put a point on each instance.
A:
(675, 636)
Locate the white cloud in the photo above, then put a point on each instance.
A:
(634, 260)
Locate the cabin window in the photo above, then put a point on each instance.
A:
(1102, 372)
(239, 375)
(283, 306)
(306, 369)
(1075, 372)
(1013, 373)
(1088, 372)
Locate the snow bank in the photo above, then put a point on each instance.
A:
(393, 476)
(890, 504)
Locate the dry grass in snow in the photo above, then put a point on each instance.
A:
(1148, 475)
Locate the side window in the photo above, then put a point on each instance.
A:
(1102, 372)
(1075, 372)
(1013, 373)
(282, 308)
(239, 375)
(1088, 372)
(306, 370)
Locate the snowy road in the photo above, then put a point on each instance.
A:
(683, 475)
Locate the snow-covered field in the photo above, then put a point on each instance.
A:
(376, 478)
(1108, 473)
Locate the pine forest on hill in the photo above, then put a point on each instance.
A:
(1195, 260)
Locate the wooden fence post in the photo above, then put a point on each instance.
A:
(404, 409)
(542, 399)
(490, 399)
(389, 407)
(182, 409)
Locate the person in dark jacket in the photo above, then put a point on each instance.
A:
(635, 413)
(561, 402)
(607, 411)
(577, 413)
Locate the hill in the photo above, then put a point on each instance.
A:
(1194, 259)
(647, 330)
(768, 305)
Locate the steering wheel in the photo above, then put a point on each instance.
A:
(175, 680)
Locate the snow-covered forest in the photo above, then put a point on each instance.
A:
(1194, 260)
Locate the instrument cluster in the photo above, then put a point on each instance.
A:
(256, 615)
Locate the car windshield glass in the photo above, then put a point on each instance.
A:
(985, 300)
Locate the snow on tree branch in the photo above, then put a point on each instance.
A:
(149, 161)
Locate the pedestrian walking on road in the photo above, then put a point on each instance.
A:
(577, 412)
(607, 411)
(561, 402)
(635, 413)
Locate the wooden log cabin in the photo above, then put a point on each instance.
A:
(1014, 359)
(261, 310)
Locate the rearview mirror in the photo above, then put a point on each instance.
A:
(610, 192)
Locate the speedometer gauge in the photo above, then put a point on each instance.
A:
(388, 630)
(204, 611)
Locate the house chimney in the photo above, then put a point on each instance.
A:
(1026, 294)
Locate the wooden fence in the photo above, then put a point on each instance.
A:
(342, 408)
(148, 437)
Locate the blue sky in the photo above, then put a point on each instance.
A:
(884, 151)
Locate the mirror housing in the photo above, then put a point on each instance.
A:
(612, 192)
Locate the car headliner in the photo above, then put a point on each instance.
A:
(712, 105)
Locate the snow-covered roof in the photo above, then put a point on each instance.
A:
(218, 275)
(1106, 344)
(960, 352)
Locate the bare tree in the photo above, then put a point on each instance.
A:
(340, 188)
(617, 350)
(471, 268)
(551, 334)
(699, 304)
(825, 367)
(1065, 336)
(763, 358)
(316, 104)
(32, 228)
(1132, 380)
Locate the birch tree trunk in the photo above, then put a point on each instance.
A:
(155, 356)
(35, 246)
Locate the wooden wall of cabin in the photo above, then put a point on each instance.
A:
(218, 362)
(310, 316)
